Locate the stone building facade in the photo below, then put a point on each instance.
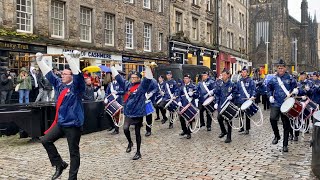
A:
(126, 30)
(274, 34)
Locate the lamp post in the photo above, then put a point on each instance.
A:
(267, 57)
(295, 42)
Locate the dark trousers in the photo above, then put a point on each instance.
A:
(162, 110)
(73, 135)
(248, 123)
(209, 119)
(265, 102)
(5, 97)
(221, 121)
(161, 106)
(184, 127)
(275, 113)
(149, 122)
(138, 124)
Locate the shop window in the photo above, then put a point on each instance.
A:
(206, 61)
(18, 60)
(192, 59)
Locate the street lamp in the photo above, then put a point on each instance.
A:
(267, 58)
(295, 42)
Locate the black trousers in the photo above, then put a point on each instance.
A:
(209, 119)
(73, 135)
(184, 127)
(248, 123)
(275, 113)
(221, 121)
(265, 102)
(138, 124)
(161, 106)
(149, 122)
(158, 110)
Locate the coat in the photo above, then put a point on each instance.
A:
(5, 83)
(173, 86)
(154, 89)
(203, 94)
(315, 91)
(116, 87)
(24, 83)
(223, 91)
(249, 85)
(301, 87)
(182, 97)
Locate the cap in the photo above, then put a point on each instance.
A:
(315, 73)
(244, 68)
(136, 73)
(281, 62)
(121, 72)
(168, 72)
(205, 72)
(303, 73)
(187, 75)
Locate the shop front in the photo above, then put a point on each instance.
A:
(18, 55)
(240, 63)
(225, 61)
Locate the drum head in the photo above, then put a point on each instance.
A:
(246, 104)
(208, 101)
(287, 105)
(168, 104)
(316, 115)
(225, 107)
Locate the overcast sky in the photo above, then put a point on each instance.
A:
(295, 11)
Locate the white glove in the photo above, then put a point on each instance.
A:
(303, 97)
(307, 88)
(216, 106)
(190, 93)
(106, 100)
(39, 56)
(295, 91)
(271, 99)
(42, 65)
(114, 92)
(149, 95)
(252, 98)
(179, 104)
(229, 97)
(211, 92)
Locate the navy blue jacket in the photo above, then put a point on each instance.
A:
(202, 91)
(153, 88)
(183, 98)
(71, 112)
(261, 88)
(301, 87)
(135, 104)
(116, 87)
(223, 91)
(173, 86)
(274, 89)
(250, 86)
(315, 91)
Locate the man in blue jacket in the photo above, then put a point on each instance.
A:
(134, 103)
(246, 89)
(225, 92)
(187, 93)
(315, 97)
(69, 114)
(159, 96)
(277, 94)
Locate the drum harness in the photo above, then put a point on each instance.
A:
(208, 94)
(118, 124)
(197, 119)
(174, 115)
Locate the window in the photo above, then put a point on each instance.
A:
(147, 37)
(178, 21)
(195, 2)
(109, 29)
(129, 33)
(85, 24)
(128, 1)
(209, 33)
(231, 40)
(209, 5)
(220, 8)
(147, 4)
(228, 39)
(160, 6)
(230, 13)
(195, 28)
(24, 16)
(242, 20)
(262, 32)
(220, 36)
(160, 39)
(57, 19)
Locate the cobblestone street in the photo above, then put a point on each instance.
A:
(166, 155)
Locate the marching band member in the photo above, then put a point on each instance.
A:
(186, 94)
(206, 88)
(170, 93)
(160, 94)
(278, 90)
(225, 92)
(315, 97)
(114, 90)
(246, 89)
(134, 103)
(69, 116)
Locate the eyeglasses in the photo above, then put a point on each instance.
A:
(64, 74)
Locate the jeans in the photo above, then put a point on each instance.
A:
(5, 97)
(24, 93)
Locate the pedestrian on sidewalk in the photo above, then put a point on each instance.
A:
(6, 87)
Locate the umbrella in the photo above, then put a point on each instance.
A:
(92, 69)
(105, 68)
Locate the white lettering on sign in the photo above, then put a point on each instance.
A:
(99, 55)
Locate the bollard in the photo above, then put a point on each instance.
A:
(315, 163)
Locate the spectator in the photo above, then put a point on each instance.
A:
(56, 72)
(39, 80)
(89, 91)
(6, 87)
(25, 86)
(45, 88)
(96, 84)
(34, 84)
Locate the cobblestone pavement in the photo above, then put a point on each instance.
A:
(166, 155)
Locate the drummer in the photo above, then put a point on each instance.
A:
(315, 97)
(159, 96)
(170, 93)
(225, 92)
(246, 90)
(206, 89)
(187, 94)
(277, 95)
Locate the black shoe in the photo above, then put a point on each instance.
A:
(222, 135)
(129, 147)
(59, 170)
(136, 156)
(188, 136)
(241, 130)
(148, 134)
(275, 140)
(228, 140)
(110, 128)
(285, 149)
(164, 121)
(209, 129)
(157, 119)
(202, 125)
(182, 134)
(170, 126)
(115, 132)
(246, 132)
(295, 138)
(290, 137)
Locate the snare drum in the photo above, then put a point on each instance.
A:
(189, 112)
(149, 107)
(229, 111)
(209, 104)
(172, 106)
(291, 108)
(113, 108)
(249, 108)
(316, 116)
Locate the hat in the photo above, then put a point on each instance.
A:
(187, 75)
(315, 73)
(303, 73)
(244, 69)
(161, 76)
(121, 72)
(205, 72)
(295, 73)
(23, 69)
(136, 73)
(168, 72)
(281, 62)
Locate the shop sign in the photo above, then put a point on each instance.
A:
(14, 46)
